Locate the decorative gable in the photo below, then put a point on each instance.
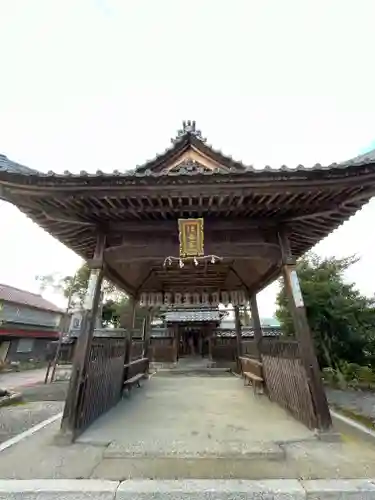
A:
(191, 167)
(188, 153)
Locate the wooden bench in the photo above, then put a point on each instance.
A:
(128, 384)
(252, 372)
(134, 372)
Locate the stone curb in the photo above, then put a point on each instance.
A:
(58, 489)
(347, 425)
(275, 489)
(282, 489)
(11, 400)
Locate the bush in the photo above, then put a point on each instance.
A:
(330, 376)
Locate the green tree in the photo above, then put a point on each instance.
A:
(342, 320)
(119, 313)
(117, 308)
(76, 286)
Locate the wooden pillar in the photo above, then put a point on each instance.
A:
(303, 335)
(202, 334)
(82, 351)
(238, 335)
(210, 340)
(258, 335)
(130, 328)
(176, 341)
(146, 334)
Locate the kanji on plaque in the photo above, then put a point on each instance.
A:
(191, 237)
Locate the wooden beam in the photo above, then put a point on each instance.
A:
(70, 420)
(210, 224)
(118, 280)
(238, 336)
(256, 325)
(266, 279)
(129, 343)
(303, 335)
(161, 250)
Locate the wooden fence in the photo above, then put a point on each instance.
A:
(103, 383)
(101, 388)
(286, 380)
(137, 349)
(163, 350)
(224, 349)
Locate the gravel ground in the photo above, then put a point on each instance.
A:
(360, 402)
(19, 418)
(46, 392)
(40, 402)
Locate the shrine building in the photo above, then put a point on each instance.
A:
(192, 227)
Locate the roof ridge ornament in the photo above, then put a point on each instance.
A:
(188, 128)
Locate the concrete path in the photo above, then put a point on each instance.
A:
(194, 416)
(18, 380)
(190, 427)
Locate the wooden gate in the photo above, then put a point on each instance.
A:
(286, 380)
(102, 384)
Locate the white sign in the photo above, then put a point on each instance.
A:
(152, 299)
(90, 293)
(296, 289)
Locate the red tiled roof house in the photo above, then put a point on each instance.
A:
(27, 323)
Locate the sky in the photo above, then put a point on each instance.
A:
(105, 84)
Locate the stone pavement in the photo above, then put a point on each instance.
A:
(190, 427)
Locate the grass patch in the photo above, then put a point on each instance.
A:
(13, 401)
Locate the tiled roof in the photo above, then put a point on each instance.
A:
(188, 136)
(248, 332)
(362, 159)
(7, 165)
(17, 296)
(196, 315)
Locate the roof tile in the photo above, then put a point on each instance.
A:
(17, 296)
(192, 316)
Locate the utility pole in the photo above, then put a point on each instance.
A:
(64, 329)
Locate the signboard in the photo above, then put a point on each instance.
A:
(296, 289)
(158, 299)
(191, 237)
(90, 294)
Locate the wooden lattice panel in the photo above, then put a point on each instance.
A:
(103, 381)
(286, 381)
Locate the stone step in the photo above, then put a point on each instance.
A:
(284, 489)
(195, 372)
(189, 450)
(168, 468)
(193, 489)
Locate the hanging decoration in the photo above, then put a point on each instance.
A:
(191, 236)
(212, 259)
(226, 297)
